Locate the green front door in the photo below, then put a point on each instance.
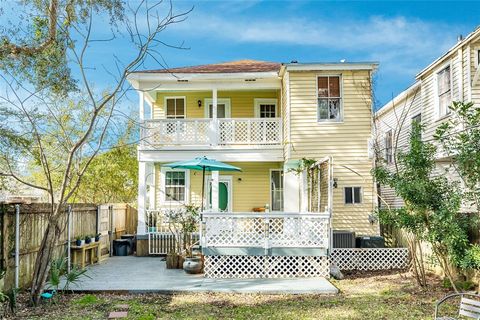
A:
(222, 195)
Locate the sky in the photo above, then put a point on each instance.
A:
(403, 37)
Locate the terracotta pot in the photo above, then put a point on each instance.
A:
(193, 265)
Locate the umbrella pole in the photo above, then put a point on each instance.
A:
(203, 187)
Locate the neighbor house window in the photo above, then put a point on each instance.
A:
(175, 108)
(444, 91)
(418, 120)
(329, 98)
(175, 186)
(389, 147)
(353, 195)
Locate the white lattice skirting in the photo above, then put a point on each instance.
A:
(266, 266)
(370, 258)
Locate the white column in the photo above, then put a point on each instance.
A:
(291, 191)
(304, 192)
(141, 105)
(215, 180)
(215, 125)
(142, 190)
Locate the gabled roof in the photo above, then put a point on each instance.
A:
(225, 67)
(472, 36)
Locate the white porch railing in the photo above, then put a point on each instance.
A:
(155, 221)
(270, 230)
(207, 132)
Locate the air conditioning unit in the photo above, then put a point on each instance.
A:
(343, 239)
(370, 242)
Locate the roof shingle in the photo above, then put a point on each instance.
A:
(225, 67)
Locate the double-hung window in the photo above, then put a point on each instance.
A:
(175, 109)
(353, 195)
(418, 120)
(175, 186)
(444, 91)
(389, 147)
(329, 98)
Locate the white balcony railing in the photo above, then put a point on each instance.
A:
(271, 230)
(209, 132)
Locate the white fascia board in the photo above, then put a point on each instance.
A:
(468, 39)
(395, 101)
(147, 76)
(220, 155)
(331, 66)
(210, 85)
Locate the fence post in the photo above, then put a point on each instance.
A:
(17, 244)
(110, 232)
(69, 235)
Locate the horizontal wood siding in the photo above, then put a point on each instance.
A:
(242, 102)
(346, 142)
(398, 118)
(253, 190)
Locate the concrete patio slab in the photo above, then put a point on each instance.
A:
(149, 274)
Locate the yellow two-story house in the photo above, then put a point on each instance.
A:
(262, 117)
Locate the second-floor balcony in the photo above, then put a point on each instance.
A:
(200, 132)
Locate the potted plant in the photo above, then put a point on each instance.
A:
(92, 238)
(97, 237)
(79, 241)
(88, 239)
(182, 222)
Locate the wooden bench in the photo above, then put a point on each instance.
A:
(93, 249)
(469, 306)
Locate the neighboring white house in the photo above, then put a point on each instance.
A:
(455, 76)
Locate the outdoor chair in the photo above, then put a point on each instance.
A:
(469, 306)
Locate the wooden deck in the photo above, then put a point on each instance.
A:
(149, 274)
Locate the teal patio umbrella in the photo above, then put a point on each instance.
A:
(203, 164)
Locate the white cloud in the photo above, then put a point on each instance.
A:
(397, 42)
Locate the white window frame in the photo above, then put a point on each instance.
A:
(353, 196)
(175, 97)
(447, 112)
(225, 101)
(259, 101)
(391, 146)
(341, 98)
(163, 196)
(476, 51)
(270, 188)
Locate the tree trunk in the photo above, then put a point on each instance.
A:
(44, 257)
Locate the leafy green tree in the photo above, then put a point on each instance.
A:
(47, 67)
(111, 177)
(459, 138)
(432, 205)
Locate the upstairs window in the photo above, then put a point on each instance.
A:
(389, 147)
(175, 108)
(265, 108)
(353, 195)
(444, 89)
(418, 120)
(329, 99)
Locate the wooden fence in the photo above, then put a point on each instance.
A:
(33, 222)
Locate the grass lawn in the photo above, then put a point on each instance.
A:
(373, 296)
